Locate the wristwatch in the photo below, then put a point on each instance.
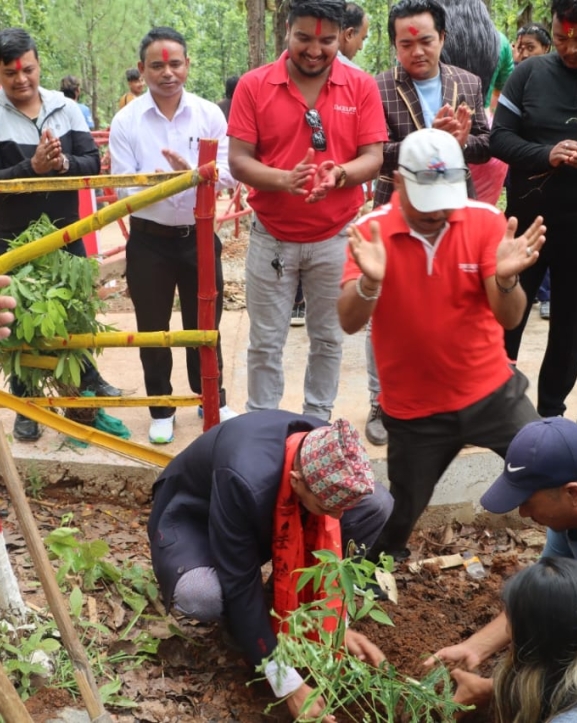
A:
(65, 164)
(342, 178)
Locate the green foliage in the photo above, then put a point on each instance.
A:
(28, 14)
(18, 650)
(84, 561)
(377, 54)
(509, 15)
(345, 682)
(55, 296)
(33, 655)
(103, 36)
(34, 482)
(100, 43)
(217, 42)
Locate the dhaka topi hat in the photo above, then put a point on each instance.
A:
(336, 466)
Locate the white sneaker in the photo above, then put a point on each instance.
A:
(161, 431)
(225, 413)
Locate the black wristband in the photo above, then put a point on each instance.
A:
(507, 289)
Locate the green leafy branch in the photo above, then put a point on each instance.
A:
(348, 685)
(84, 561)
(55, 297)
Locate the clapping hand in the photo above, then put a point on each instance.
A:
(515, 254)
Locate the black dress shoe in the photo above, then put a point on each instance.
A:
(26, 430)
(100, 387)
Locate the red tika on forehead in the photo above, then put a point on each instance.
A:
(18, 64)
(165, 55)
(318, 27)
(568, 28)
(413, 30)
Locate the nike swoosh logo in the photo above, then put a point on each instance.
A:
(513, 469)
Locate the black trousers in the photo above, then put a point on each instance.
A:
(558, 371)
(156, 266)
(420, 450)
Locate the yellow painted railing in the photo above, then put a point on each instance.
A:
(77, 183)
(164, 185)
(102, 217)
(90, 435)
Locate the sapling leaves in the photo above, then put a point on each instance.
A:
(56, 296)
(351, 687)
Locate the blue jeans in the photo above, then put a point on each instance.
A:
(269, 301)
(544, 292)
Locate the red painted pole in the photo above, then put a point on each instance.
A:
(207, 294)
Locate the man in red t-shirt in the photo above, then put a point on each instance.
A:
(451, 285)
(305, 133)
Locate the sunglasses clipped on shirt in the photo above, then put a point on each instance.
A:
(318, 139)
(429, 176)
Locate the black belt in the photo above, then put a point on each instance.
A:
(158, 229)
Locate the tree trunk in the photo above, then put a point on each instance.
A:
(524, 13)
(280, 18)
(256, 33)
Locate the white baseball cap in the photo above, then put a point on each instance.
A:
(433, 168)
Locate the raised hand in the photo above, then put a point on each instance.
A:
(370, 256)
(515, 254)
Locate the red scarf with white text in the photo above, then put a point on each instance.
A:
(293, 544)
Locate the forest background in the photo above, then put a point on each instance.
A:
(98, 40)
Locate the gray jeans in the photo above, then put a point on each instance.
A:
(372, 374)
(269, 301)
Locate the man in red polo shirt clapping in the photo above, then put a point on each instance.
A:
(305, 133)
(439, 274)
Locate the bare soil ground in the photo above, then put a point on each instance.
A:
(194, 676)
(233, 255)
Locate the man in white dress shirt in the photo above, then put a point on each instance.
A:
(160, 130)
